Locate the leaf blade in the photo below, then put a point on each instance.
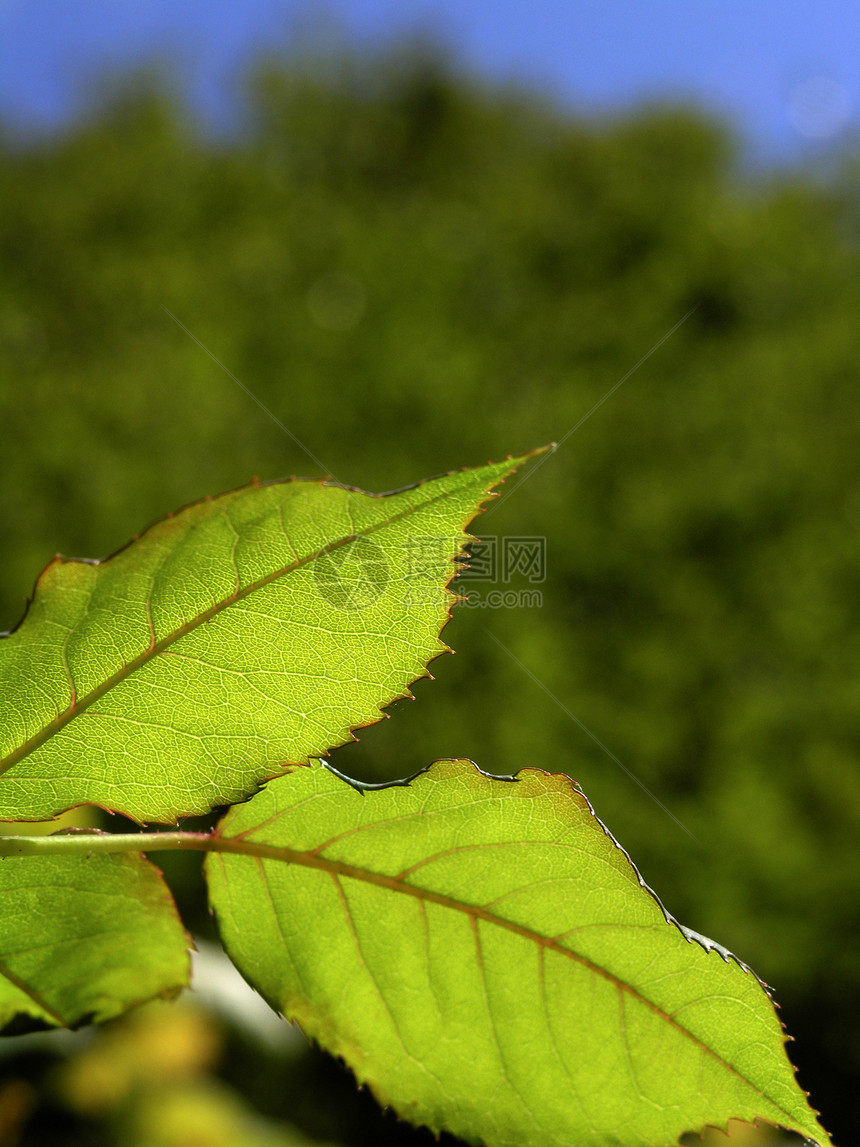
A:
(479, 986)
(83, 939)
(245, 632)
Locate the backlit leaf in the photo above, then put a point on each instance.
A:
(484, 955)
(244, 633)
(82, 939)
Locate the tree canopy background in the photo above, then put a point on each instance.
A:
(416, 273)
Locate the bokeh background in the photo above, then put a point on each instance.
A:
(424, 236)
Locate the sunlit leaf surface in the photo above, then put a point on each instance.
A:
(484, 955)
(82, 939)
(245, 632)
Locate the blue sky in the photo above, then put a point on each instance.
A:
(786, 72)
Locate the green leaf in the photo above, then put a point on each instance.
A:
(244, 633)
(484, 955)
(83, 939)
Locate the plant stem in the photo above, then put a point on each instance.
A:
(88, 843)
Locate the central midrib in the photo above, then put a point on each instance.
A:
(31, 993)
(80, 705)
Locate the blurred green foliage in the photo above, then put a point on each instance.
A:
(414, 274)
